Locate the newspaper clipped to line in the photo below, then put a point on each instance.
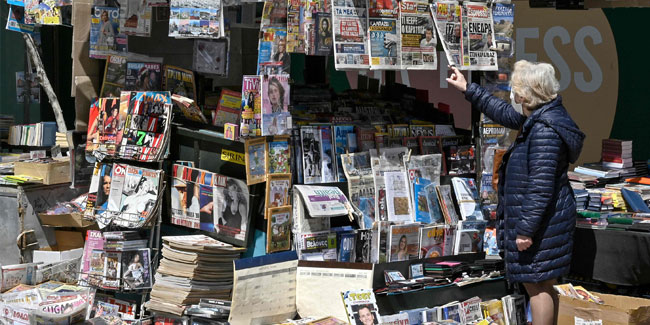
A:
(350, 37)
(478, 39)
(446, 15)
(324, 201)
(384, 31)
(418, 37)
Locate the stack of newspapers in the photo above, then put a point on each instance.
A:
(193, 267)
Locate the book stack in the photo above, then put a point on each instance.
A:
(41, 134)
(641, 168)
(582, 198)
(443, 269)
(123, 241)
(61, 140)
(192, 268)
(595, 203)
(6, 121)
(514, 309)
(212, 309)
(617, 153)
(597, 170)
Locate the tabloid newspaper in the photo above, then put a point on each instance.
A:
(276, 119)
(295, 32)
(251, 100)
(390, 161)
(398, 197)
(361, 305)
(447, 15)
(477, 41)
(384, 31)
(361, 187)
(350, 20)
(114, 76)
(105, 35)
(195, 19)
(135, 17)
(418, 36)
(272, 56)
(425, 166)
(323, 201)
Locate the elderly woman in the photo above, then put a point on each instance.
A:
(535, 199)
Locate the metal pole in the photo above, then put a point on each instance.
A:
(45, 82)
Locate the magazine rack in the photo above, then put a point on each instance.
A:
(394, 303)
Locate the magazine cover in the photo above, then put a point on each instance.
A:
(140, 195)
(490, 246)
(105, 36)
(184, 198)
(312, 8)
(91, 201)
(430, 145)
(104, 185)
(95, 127)
(295, 33)
(273, 58)
(115, 76)
(477, 41)
(384, 43)
(323, 40)
(211, 56)
(278, 187)
(412, 144)
(422, 130)
(136, 272)
(111, 131)
(274, 14)
(404, 242)
(95, 270)
(340, 146)
(328, 168)
(18, 21)
(450, 240)
(350, 20)
(229, 102)
(398, 198)
(115, 195)
(205, 181)
(418, 38)
(467, 198)
(135, 17)
(361, 307)
(420, 205)
(112, 268)
(251, 99)
(447, 15)
(432, 241)
(433, 204)
(279, 155)
(146, 125)
(225, 115)
(94, 241)
(461, 160)
(179, 81)
(195, 19)
(447, 204)
(276, 119)
(310, 139)
(141, 76)
(231, 204)
(279, 229)
(255, 150)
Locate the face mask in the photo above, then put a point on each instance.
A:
(518, 107)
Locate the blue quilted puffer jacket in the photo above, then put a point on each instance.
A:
(535, 198)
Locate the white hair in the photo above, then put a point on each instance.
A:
(535, 82)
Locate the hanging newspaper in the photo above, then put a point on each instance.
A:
(361, 187)
(478, 39)
(295, 33)
(195, 19)
(446, 15)
(323, 201)
(135, 17)
(384, 39)
(418, 38)
(350, 36)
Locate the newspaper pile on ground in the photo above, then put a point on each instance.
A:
(192, 267)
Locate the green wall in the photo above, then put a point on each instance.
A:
(632, 119)
(12, 59)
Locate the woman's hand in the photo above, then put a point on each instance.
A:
(523, 242)
(457, 79)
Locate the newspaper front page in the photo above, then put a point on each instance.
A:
(478, 37)
(384, 31)
(361, 187)
(350, 19)
(323, 201)
(446, 15)
(418, 36)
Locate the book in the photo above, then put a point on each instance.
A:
(279, 229)
(255, 154)
(143, 76)
(251, 120)
(404, 242)
(361, 306)
(136, 273)
(278, 187)
(275, 91)
(229, 108)
(432, 241)
(323, 31)
(279, 155)
(179, 81)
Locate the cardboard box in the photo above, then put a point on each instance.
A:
(74, 220)
(55, 172)
(616, 310)
(56, 256)
(67, 240)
